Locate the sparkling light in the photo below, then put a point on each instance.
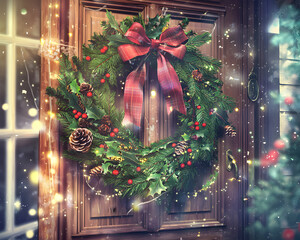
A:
(23, 11)
(32, 112)
(34, 177)
(32, 212)
(36, 125)
(17, 204)
(5, 106)
(30, 234)
(153, 93)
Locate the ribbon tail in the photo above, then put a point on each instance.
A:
(133, 96)
(170, 85)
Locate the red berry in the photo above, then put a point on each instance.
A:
(88, 58)
(101, 145)
(189, 163)
(198, 107)
(74, 111)
(189, 150)
(182, 165)
(289, 100)
(197, 128)
(130, 181)
(102, 80)
(138, 169)
(115, 172)
(116, 130)
(279, 144)
(203, 124)
(89, 94)
(288, 234)
(174, 145)
(84, 115)
(210, 113)
(105, 48)
(112, 134)
(196, 123)
(76, 116)
(107, 75)
(102, 50)
(79, 114)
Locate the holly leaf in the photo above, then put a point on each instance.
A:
(130, 158)
(156, 187)
(154, 176)
(112, 150)
(185, 137)
(105, 167)
(94, 112)
(74, 87)
(99, 152)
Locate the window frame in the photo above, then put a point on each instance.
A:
(11, 133)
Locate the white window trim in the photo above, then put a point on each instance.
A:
(11, 133)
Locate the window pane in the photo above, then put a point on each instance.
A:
(285, 122)
(289, 72)
(287, 91)
(3, 104)
(2, 183)
(3, 16)
(28, 18)
(28, 78)
(26, 180)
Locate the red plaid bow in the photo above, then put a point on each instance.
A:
(170, 41)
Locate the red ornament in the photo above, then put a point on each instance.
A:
(198, 107)
(84, 115)
(138, 169)
(279, 144)
(189, 163)
(196, 123)
(115, 172)
(210, 113)
(112, 134)
(105, 48)
(189, 150)
(271, 158)
(74, 111)
(289, 100)
(288, 234)
(101, 145)
(116, 130)
(130, 181)
(182, 165)
(76, 116)
(197, 128)
(174, 145)
(88, 58)
(203, 124)
(107, 75)
(102, 50)
(79, 114)
(102, 80)
(89, 94)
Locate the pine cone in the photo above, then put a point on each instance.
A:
(181, 147)
(85, 88)
(81, 140)
(104, 129)
(197, 75)
(229, 131)
(83, 123)
(106, 120)
(95, 171)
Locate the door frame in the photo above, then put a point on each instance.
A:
(54, 217)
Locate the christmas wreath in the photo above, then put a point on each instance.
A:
(115, 63)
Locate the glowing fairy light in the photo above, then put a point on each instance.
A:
(153, 93)
(32, 212)
(17, 204)
(5, 106)
(32, 112)
(36, 125)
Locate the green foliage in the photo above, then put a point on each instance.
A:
(160, 169)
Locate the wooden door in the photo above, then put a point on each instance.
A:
(218, 213)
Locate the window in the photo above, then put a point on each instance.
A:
(19, 111)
